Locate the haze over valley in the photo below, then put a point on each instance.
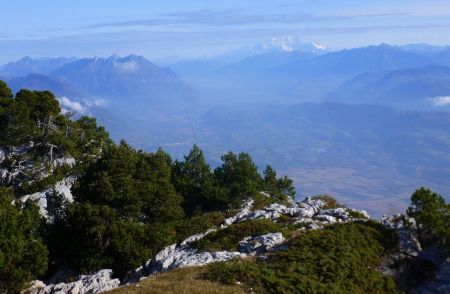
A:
(367, 125)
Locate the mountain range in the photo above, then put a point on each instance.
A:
(299, 75)
(366, 124)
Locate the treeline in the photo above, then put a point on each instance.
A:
(128, 204)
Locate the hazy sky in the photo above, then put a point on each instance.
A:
(159, 29)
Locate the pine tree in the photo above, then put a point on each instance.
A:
(239, 177)
(194, 179)
(23, 256)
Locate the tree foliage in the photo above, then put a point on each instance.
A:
(23, 255)
(432, 215)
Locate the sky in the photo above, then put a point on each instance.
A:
(189, 29)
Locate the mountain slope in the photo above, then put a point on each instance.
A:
(28, 65)
(412, 87)
(40, 82)
(123, 78)
(306, 76)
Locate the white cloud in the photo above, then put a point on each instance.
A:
(95, 103)
(440, 101)
(68, 105)
(82, 107)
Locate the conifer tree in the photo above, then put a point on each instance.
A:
(194, 179)
(239, 177)
(23, 256)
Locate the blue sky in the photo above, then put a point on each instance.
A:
(159, 29)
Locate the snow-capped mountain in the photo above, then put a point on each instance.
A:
(284, 44)
(289, 44)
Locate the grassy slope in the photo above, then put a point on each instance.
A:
(185, 280)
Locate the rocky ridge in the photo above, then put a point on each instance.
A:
(181, 255)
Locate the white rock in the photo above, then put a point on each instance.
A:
(265, 194)
(40, 198)
(2, 154)
(260, 244)
(204, 258)
(326, 218)
(339, 213)
(314, 226)
(408, 242)
(242, 213)
(99, 282)
(197, 237)
(69, 161)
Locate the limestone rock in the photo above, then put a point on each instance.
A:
(99, 282)
(405, 226)
(260, 244)
(326, 218)
(68, 161)
(62, 187)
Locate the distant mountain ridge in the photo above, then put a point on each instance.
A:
(407, 87)
(116, 77)
(27, 65)
(41, 82)
(303, 75)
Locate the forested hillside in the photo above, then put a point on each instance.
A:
(73, 202)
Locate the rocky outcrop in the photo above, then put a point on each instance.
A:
(405, 227)
(260, 244)
(309, 211)
(174, 256)
(22, 167)
(307, 208)
(42, 198)
(64, 161)
(99, 282)
(182, 255)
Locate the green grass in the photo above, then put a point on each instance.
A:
(180, 281)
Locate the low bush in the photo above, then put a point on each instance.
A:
(339, 259)
(228, 239)
(330, 201)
